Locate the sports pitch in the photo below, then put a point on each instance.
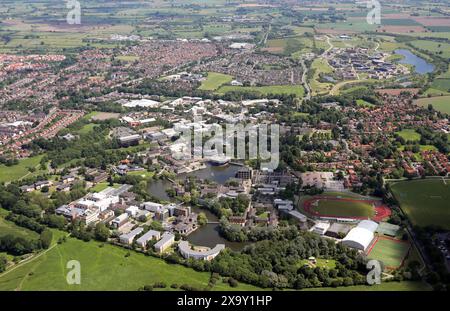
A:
(355, 207)
(425, 201)
(391, 252)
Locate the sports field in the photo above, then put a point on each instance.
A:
(389, 251)
(338, 206)
(425, 201)
(214, 80)
(440, 103)
(102, 268)
(409, 135)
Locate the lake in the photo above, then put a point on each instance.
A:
(421, 66)
(207, 235)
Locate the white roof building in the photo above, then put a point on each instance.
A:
(361, 236)
(147, 103)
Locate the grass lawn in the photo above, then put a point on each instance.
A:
(102, 186)
(385, 286)
(144, 174)
(321, 263)
(440, 103)
(319, 66)
(86, 128)
(15, 172)
(297, 90)
(215, 80)
(390, 252)
(344, 208)
(363, 103)
(425, 201)
(8, 227)
(409, 135)
(102, 268)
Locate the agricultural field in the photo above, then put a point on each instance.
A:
(103, 267)
(215, 80)
(440, 103)
(389, 251)
(424, 201)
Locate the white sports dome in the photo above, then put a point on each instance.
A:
(361, 236)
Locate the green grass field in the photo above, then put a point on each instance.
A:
(424, 201)
(341, 208)
(384, 286)
(363, 103)
(409, 135)
(102, 268)
(440, 103)
(215, 80)
(391, 253)
(297, 90)
(15, 172)
(8, 227)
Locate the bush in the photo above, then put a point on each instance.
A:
(233, 282)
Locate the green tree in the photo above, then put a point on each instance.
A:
(46, 238)
(101, 232)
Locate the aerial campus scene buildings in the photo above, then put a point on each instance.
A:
(118, 170)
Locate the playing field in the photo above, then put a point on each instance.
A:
(102, 268)
(409, 135)
(425, 201)
(440, 103)
(214, 80)
(345, 206)
(389, 251)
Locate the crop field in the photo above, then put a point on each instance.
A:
(440, 103)
(389, 251)
(214, 80)
(424, 201)
(104, 267)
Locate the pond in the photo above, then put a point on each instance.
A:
(208, 235)
(421, 66)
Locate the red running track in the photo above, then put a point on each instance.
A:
(381, 211)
